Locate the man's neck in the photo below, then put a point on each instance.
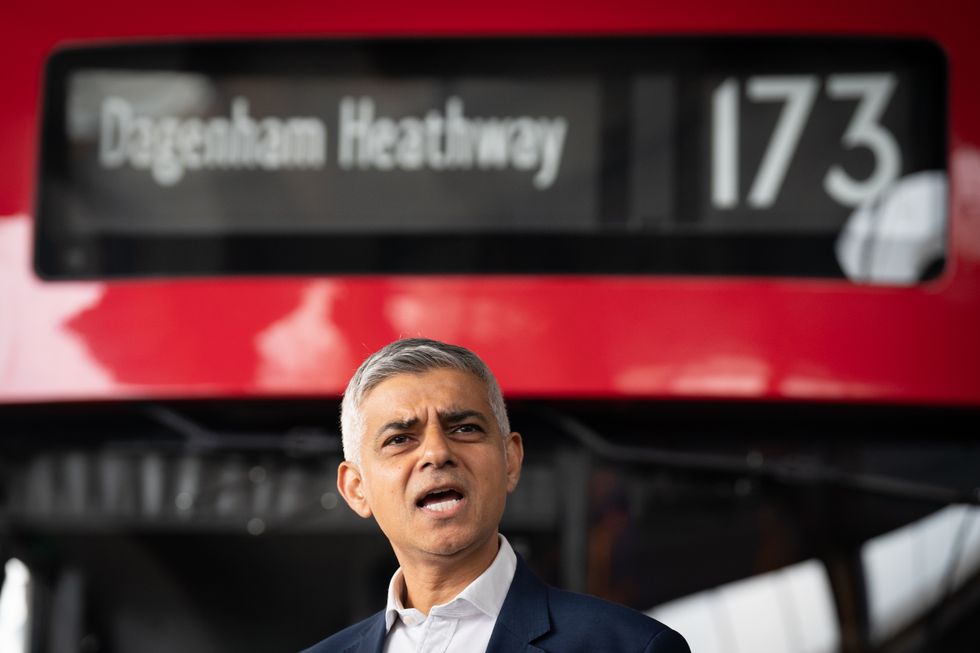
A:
(436, 580)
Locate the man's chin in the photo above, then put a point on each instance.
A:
(450, 548)
(445, 546)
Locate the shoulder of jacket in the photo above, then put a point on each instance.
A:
(570, 609)
(345, 638)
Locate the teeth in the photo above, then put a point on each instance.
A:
(442, 506)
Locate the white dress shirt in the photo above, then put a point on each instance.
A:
(463, 625)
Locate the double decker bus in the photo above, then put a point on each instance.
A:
(724, 260)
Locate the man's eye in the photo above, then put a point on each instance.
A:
(396, 440)
(467, 428)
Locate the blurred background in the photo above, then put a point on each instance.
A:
(725, 262)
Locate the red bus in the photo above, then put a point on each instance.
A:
(724, 260)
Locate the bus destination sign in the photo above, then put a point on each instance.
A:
(347, 155)
(628, 156)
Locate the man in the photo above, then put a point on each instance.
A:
(430, 455)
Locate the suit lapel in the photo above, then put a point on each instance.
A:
(524, 615)
(373, 640)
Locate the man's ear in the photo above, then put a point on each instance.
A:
(351, 487)
(514, 450)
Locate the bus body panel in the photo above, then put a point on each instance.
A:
(546, 336)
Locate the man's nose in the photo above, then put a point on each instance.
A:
(436, 447)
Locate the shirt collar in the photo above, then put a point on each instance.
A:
(486, 593)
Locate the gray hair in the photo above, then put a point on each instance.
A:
(410, 356)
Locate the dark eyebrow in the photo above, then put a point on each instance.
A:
(454, 416)
(398, 425)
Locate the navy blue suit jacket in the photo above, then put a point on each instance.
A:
(536, 618)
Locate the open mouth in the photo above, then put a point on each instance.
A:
(440, 500)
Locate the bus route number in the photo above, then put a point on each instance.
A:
(798, 94)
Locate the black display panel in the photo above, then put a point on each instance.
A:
(625, 156)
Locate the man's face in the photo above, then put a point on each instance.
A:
(435, 471)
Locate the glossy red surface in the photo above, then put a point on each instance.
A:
(652, 337)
